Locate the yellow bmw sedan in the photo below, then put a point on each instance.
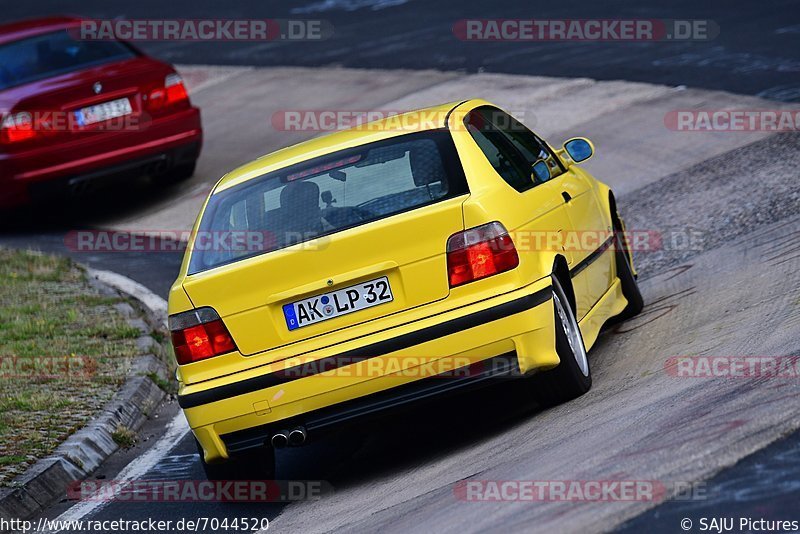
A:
(386, 265)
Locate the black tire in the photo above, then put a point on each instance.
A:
(179, 173)
(254, 464)
(567, 381)
(630, 289)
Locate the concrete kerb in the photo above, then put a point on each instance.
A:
(47, 481)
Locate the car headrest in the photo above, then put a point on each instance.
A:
(302, 196)
(426, 164)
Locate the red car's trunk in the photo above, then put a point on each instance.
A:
(53, 102)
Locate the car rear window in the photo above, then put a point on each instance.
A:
(51, 54)
(325, 195)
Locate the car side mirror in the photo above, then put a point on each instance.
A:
(540, 171)
(579, 149)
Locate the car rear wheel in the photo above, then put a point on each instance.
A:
(179, 173)
(254, 464)
(630, 289)
(573, 377)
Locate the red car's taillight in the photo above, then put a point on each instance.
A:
(480, 252)
(172, 93)
(17, 127)
(199, 334)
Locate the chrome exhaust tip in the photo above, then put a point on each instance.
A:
(280, 440)
(297, 436)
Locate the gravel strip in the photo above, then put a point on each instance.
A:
(694, 212)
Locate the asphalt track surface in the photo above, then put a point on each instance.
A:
(755, 52)
(736, 294)
(637, 422)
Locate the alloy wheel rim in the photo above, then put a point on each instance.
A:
(570, 328)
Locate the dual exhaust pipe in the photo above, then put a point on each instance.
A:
(291, 438)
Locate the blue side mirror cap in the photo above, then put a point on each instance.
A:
(541, 172)
(579, 149)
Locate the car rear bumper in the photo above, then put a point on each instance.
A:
(467, 347)
(167, 141)
(476, 375)
(155, 164)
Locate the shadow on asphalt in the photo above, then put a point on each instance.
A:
(50, 227)
(417, 435)
(90, 208)
(349, 457)
(413, 437)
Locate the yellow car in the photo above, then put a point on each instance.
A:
(384, 265)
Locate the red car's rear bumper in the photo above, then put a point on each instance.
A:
(166, 142)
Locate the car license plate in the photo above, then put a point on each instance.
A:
(336, 303)
(103, 112)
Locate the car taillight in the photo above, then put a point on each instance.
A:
(17, 127)
(199, 334)
(172, 93)
(480, 252)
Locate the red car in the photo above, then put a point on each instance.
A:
(74, 111)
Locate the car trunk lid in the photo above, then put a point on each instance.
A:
(397, 250)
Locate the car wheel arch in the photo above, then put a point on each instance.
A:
(618, 226)
(561, 272)
(612, 207)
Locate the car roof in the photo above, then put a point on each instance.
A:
(429, 118)
(14, 31)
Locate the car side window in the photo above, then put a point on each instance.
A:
(525, 141)
(507, 161)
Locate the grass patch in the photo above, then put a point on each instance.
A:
(64, 351)
(33, 400)
(11, 460)
(98, 300)
(124, 437)
(165, 385)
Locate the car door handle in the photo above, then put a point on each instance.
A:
(566, 196)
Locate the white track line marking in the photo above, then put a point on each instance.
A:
(177, 428)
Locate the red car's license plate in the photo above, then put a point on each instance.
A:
(103, 112)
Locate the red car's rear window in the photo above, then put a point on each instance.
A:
(54, 53)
